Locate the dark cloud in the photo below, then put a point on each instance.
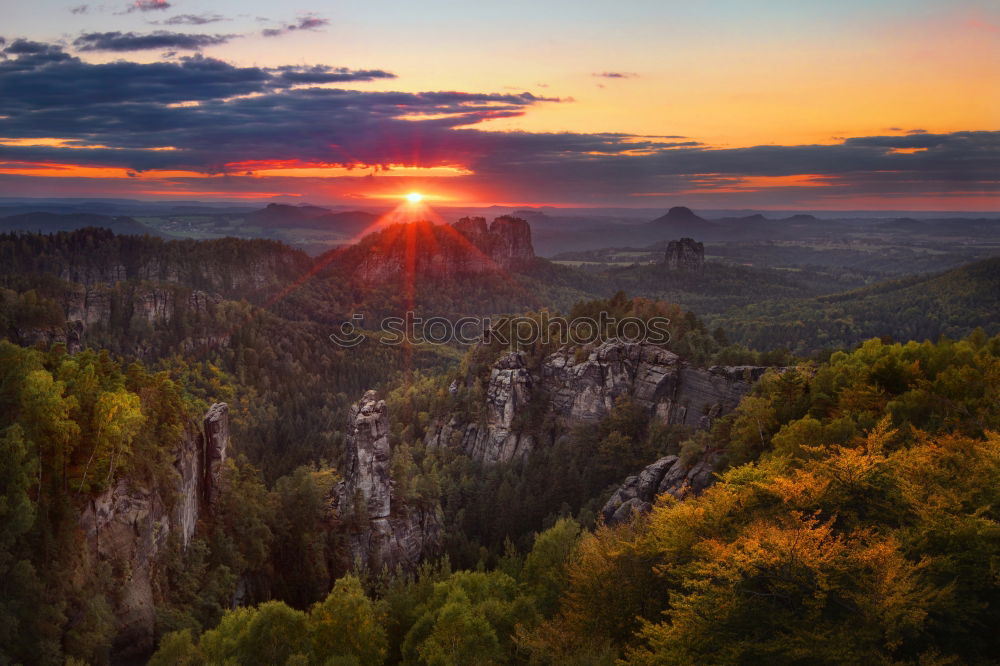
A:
(45, 82)
(194, 19)
(217, 118)
(325, 74)
(79, 9)
(615, 75)
(148, 6)
(310, 22)
(28, 47)
(160, 39)
(53, 81)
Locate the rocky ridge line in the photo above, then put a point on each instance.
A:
(580, 391)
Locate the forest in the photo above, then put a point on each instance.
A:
(851, 518)
(853, 522)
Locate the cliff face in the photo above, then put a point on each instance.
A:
(140, 305)
(685, 255)
(506, 241)
(381, 529)
(667, 475)
(584, 391)
(467, 247)
(234, 269)
(129, 524)
(135, 284)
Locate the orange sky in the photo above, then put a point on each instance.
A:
(720, 76)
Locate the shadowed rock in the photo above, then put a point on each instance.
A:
(668, 475)
(128, 525)
(577, 391)
(467, 247)
(380, 529)
(685, 255)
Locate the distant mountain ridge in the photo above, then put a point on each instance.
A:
(919, 307)
(48, 223)
(275, 216)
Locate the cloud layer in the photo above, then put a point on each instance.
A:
(205, 115)
(309, 22)
(160, 39)
(148, 6)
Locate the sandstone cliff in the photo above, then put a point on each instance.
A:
(137, 307)
(506, 241)
(249, 269)
(381, 530)
(137, 286)
(467, 247)
(667, 475)
(579, 391)
(128, 524)
(685, 255)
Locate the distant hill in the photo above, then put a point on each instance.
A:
(47, 223)
(920, 307)
(756, 218)
(283, 216)
(682, 221)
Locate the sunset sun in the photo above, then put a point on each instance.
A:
(414, 197)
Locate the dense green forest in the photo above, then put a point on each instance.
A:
(856, 523)
(912, 308)
(852, 520)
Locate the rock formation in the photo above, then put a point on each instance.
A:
(381, 530)
(467, 247)
(685, 255)
(667, 475)
(129, 524)
(578, 391)
(506, 241)
(215, 432)
(250, 269)
(140, 304)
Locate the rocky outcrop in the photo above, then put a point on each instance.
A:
(69, 334)
(138, 307)
(380, 529)
(668, 475)
(128, 524)
(579, 390)
(506, 241)
(585, 390)
(705, 394)
(368, 458)
(499, 437)
(685, 255)
(151, 304)
(249, 269)
(215, 433)
(467, 247)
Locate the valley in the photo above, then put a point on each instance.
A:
(247, 459)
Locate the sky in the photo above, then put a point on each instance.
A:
(881, 104)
